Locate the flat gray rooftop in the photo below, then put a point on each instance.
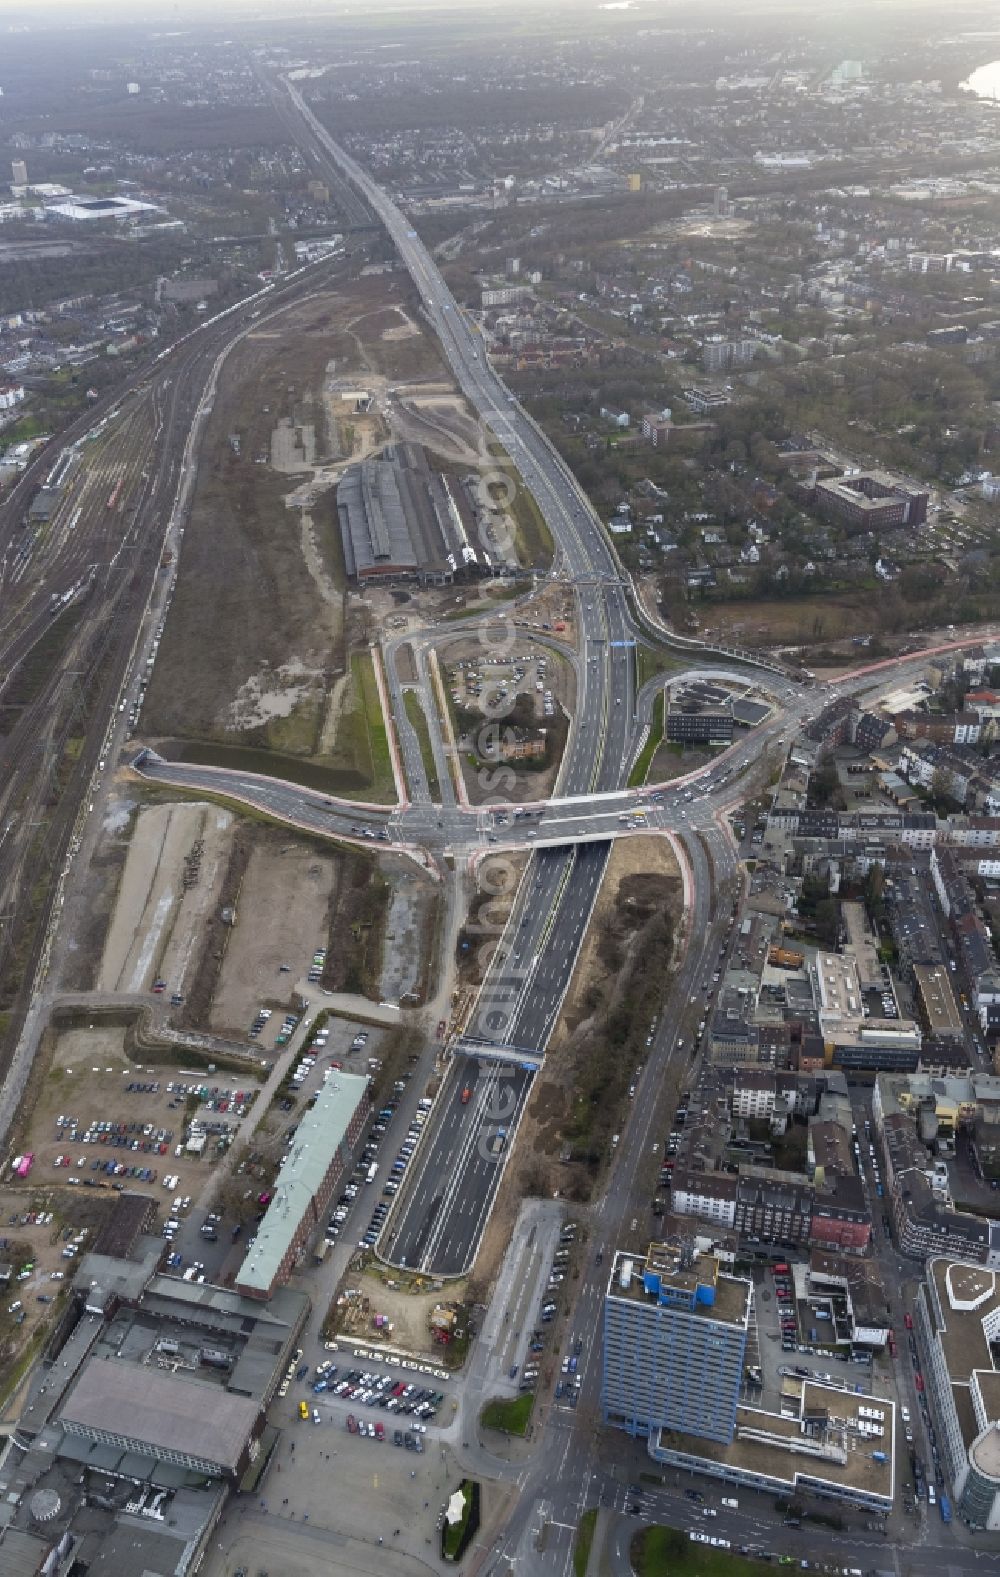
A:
(167, 1412)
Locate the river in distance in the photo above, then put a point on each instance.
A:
(985, 81)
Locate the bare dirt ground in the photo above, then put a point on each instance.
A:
(675, 761)
(157, 918)
(260, 608)
(629, 858)
(552, 610)
(405, 330)
(409, 1307)
(280, 919)
(808, 621)
(246, 604)
(441, 420)
(87, 1079)
(497, 881)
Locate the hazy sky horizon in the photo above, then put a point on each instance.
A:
(29, 15)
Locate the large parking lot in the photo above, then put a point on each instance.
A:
(104, 1120)
(370, 1392)
(334, 1504)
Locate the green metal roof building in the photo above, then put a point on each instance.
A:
(317, 1160)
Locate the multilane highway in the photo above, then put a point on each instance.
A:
(529, 973)
(452, 1181)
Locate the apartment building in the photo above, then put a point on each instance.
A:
(316, 1162)
(872, 500)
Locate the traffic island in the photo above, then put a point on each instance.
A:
(669, 1552)
(509, 1417)
(461, 1521)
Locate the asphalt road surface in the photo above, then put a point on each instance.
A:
(458, 1168)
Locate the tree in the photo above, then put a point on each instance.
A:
(828, 921)
(943, 791)
(824, 784)
(875, 889)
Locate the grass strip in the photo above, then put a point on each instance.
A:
(583, 1541)
(644, 760)
(668, 1552)
(512, 1417)
(383, 781)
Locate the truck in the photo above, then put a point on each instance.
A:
(320, 1252)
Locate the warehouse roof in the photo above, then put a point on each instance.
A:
(319, 1135)
(373, 521)
(166, 1412)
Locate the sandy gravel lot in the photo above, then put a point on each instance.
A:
(281, 918)
(88, 1080)
(157, 920)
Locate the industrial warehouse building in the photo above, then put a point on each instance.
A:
(304, 1186)
(400, 520)
(149, 1411)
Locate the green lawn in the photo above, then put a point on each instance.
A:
(650, 660)
(512, 1417)
(362, 745)
(584, 1540)
(644, 760)
(378, 740)
(666, 1552)
(415, 713)
(532, 537)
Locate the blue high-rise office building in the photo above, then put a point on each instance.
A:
(675, 1333)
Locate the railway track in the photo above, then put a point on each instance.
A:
(111, 528)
